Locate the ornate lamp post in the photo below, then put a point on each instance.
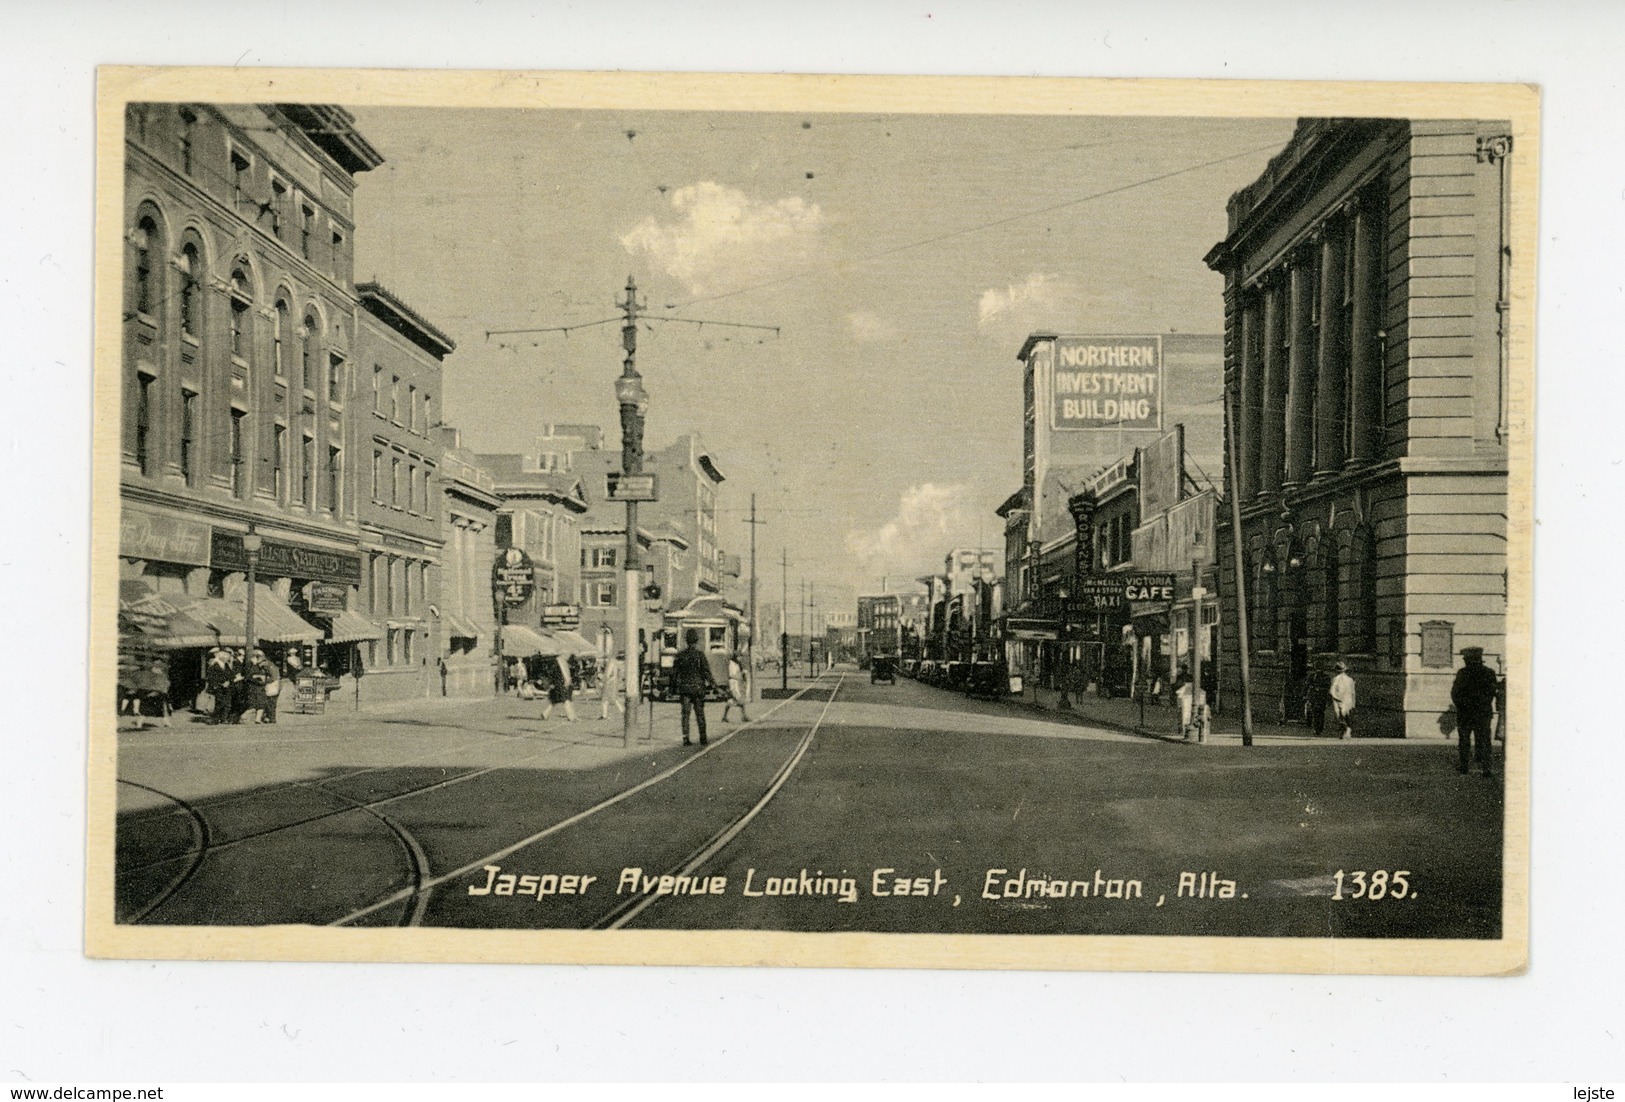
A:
(252, 544)
(634, 403)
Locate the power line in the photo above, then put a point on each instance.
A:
(963, 231)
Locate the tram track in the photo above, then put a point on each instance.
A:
(420, 891)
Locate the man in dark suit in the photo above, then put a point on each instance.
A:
(1473, 694)
(692, 680)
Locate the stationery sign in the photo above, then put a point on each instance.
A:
(1107, 383)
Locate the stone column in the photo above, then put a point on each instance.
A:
(1300, 378)
(1246, 424)
(1330, 391)
(1272, 391)
(1366, 399)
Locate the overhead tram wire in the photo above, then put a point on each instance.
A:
(966, 230)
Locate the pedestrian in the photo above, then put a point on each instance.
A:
(561, 690)
(257, 674)
(443, 674)
(1341, 692)
(1473, 693)
(691, 678)
(609, 686)
(217, 679)
(736, 690)
(1320, 698)
(155, 691)
(1184, 700)
(293, 668)
(239, 685)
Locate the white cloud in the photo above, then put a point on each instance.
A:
(1035, 300)
(722, 238)
(916, 538)
(868, 327)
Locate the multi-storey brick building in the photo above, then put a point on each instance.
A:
(398, 499)
(1366, 351)
(467, 616)
(238, 394)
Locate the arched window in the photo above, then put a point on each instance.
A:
(191, 290)
(1331, 598)
(307, 352)
(279, 339)
(146, 241)
(1364, 582)
(242, 298)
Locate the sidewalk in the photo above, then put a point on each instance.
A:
(1161, 721)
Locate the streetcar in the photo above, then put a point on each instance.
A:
(723, 633)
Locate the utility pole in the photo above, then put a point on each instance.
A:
(634, 403)
(805, 638)
(750, 672)
(784, 619)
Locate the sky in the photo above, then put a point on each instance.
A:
(902, 259)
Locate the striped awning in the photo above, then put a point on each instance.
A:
(274, 622)
(519, 641)
(572, 643)
(351, 627)
(458, 628)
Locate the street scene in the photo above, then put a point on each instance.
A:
(813, 522)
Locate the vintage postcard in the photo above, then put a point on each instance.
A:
(841, 521)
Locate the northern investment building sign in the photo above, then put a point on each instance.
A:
(1107, 382)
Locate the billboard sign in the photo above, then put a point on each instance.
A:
(1107, 383)
(1162, 473)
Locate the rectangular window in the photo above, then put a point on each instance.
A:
(411, 488)
(377, 474)
(335, 464)
(603, 594)
(307, 472)
(391, 646)
(188, 135)
(412, 407)
(391, 587)
(279, 460)
(307, 226)
(406, 588)
(188, 436)
(338, 251)
(143, 422)
(395, 398)
(604, 556)
(395, 482)
(335, 378)
(239, 178)
(406, 647)
(239, 462)
(428, 412)
(239, 326)
(279, 203)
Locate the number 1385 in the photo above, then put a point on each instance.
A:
(1373, 885)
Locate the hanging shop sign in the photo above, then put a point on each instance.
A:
(327, 597)
(1107, 382)
(144, 535)
(561, 616)
(513, 576)
(280, 559)
(620, 486)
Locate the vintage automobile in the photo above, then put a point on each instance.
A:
(883, 667)
(989, 680)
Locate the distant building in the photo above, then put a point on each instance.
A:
(1365, 300)
(541, 514)
(467, 618)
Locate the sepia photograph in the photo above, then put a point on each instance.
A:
(841, 521)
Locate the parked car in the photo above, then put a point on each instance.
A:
(883, 667)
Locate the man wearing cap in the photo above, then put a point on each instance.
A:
(1342, 697)
(1473, 693)
(691, 677)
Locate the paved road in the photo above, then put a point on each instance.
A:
(903, 805)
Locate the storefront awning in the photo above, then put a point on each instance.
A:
(458, 628)
(352, 627)
(573, 643)
(274, 622)
(519, 641)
